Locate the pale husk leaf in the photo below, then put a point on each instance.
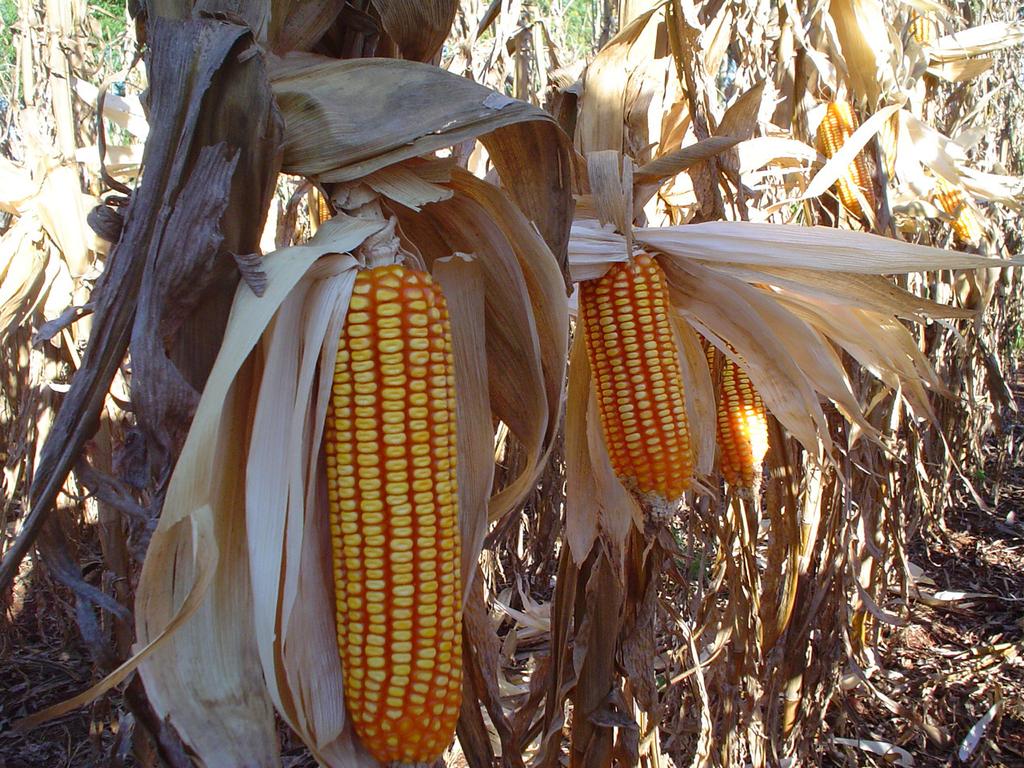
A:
(774, 150)
(526, 314)
(418, 29)
(281, 498)
(881, 344)
(728, 312)
(819, 248)
(960, 70)
(868, 48)
(17, 187)
(679, 160)
(462, 281)
(600, 124)
(985, 38)
(617, 508)
(594, 248)
(218, 706)
(701, 398)
(581, 515)
(863, 291)
(931, 148)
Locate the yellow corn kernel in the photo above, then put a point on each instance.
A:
(836, 128)
(637, 378)
(742, 426)
(966, 225)
(394, 526)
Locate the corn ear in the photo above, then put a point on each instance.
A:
(742, 426)
(836, 128)
(966, 225)
(390, 449)
(635, 363)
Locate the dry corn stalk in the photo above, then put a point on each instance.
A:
(392, 490)
(836, 128)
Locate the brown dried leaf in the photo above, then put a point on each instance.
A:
(418, 29)
(346, 119)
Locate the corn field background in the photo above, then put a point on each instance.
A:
(180, 184)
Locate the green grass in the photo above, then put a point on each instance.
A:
(577, 21)
(111, 15)
(8, 15)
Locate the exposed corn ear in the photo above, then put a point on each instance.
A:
(390, 448)
(965, 223)
(323, 208)
(635, 363)
(836, 128)
(742, 426)
(923, 30)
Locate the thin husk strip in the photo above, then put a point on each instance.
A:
(617, 508)
(675, 162)
(581, 515)
(864, 291)
(462, 281)
(701, 399)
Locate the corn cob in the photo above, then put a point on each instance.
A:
(836, 128)
(922, 29)
(639, 386)
(323, 208)
(391, 452)
(965, 223)
(742, 426)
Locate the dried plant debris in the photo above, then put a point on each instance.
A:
(185, 199)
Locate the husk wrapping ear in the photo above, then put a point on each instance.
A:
(222, 714)
(733, 280)
(407, 109)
